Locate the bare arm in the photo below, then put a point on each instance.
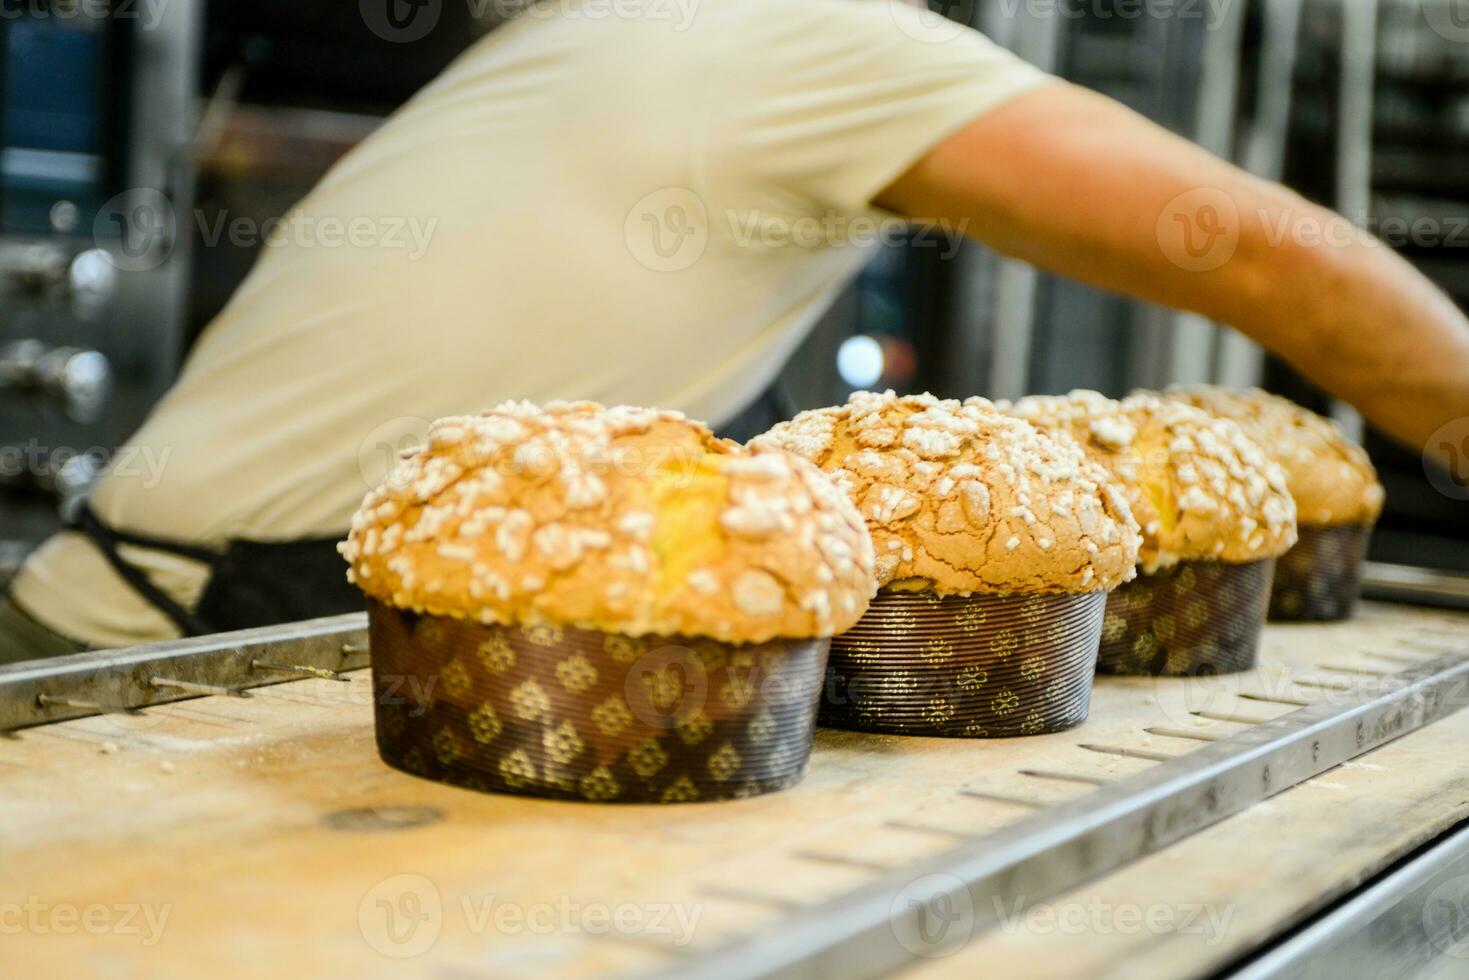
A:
(1078, 184)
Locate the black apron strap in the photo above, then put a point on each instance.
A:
(251, 583)
(107, 541)
(262, 583)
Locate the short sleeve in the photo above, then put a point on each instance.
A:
(823, 106)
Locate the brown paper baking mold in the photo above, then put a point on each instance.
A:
(581, 715)
(980, 666)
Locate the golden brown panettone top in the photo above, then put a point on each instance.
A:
(1199, 487)
(624, 520)
(1330, 477)
(963, 499)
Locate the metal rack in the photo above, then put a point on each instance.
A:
(41, 692)
(863, 935)
(1330, 706)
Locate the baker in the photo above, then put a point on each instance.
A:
(618, 208)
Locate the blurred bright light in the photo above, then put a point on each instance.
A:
(860, 361)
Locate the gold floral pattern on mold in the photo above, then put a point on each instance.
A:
(724, 762)
(446, 746)
(972, 678)
(624, 649)
(938, 648)
(599, 785)
(737, 692)
(576, 674)
(496, 654)
(542, 634)
(1005, 643)
(647, 757)
(456, 679)
(517, 769)
(562, 744)
(484, 724)
(694, 728)
(682, 790)
(971, 619)
(530, 700)
(612, 717)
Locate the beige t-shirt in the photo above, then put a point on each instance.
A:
(646, 203)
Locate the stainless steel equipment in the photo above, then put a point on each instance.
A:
(97, 106)
(1004, 825)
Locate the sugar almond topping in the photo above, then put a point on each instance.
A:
(1200, 488)
(1331, 478)
(625, 520)
(962, 499)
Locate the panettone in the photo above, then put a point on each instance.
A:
(962, 499)
(1199, 487)
(1330, 477)
(626, 520)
